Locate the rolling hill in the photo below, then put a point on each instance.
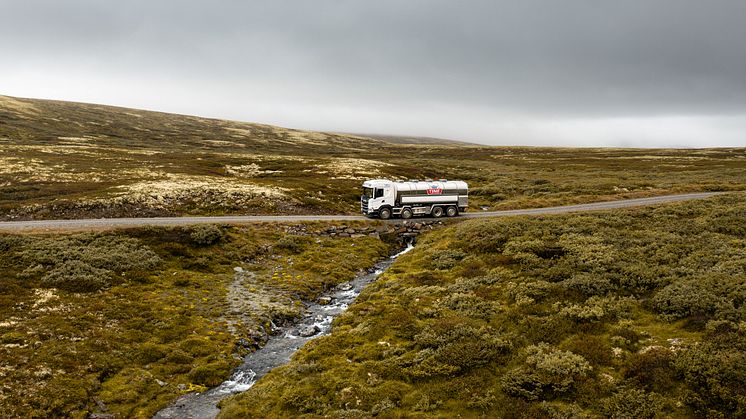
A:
(75, 160)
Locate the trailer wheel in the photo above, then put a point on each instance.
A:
(384, 213)
(452, 211)
(437, 212)
(406, 213)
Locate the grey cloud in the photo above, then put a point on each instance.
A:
(579, 59)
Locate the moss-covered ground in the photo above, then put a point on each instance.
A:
(627, 314)
(124, 322)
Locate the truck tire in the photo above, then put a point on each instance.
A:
(384, 213)
(406, 213)
(452, 211)
(437, 212)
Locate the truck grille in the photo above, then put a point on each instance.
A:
(364, 206)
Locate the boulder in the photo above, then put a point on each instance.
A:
(345, 286)
(325, 300)
(308, 331)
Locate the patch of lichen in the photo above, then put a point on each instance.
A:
(635, 313)
(147, 334)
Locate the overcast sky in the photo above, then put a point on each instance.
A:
(532, 72)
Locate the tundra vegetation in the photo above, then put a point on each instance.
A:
(71, 160)
(628, 314)
(636, 313)
(124, 322)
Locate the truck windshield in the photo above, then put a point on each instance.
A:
(368, 193)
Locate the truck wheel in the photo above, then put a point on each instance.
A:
(437, 212)
(406, 213)
(384, 213)
(452, 211)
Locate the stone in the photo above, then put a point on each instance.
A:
(344, 235)
(161, 383)
(181, 387)
(418, 226)
(345, 286)
(238, 269)
(100, 404)
(356, 236)
(350, 231)
(374, 235)
(325, 300)
(308, 331)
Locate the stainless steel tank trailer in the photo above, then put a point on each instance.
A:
(386, 199)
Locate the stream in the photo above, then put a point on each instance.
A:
(317, 321)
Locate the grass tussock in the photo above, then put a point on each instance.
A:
(636, 313)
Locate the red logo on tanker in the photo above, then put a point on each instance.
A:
(435, 191)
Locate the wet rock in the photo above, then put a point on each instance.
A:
(345, 286)
(100, 404)
(325, 300)
(308, 331)
(245, 343)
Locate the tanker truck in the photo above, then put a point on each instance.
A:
(385, 199)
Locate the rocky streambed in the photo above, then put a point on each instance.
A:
(280, 346)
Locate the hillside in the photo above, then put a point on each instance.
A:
(73, 160)
(627, 314)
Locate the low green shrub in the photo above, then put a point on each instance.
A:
(291, 244)
(206, 234)
(652, 369)
(446, 259)
(632, 403)
(77, 276)
(712, 296)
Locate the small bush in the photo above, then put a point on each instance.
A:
(652, 369)
(292, 244)
(77, 276)
(206, 234)
(447, 259)
(557, 368)
(520, 382)
(589, 284)
(632, 403)
(593, 348)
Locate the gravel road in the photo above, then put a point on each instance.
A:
(104, 223)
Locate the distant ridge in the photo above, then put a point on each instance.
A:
(408, 139)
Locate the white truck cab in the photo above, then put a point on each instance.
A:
(386, 199)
